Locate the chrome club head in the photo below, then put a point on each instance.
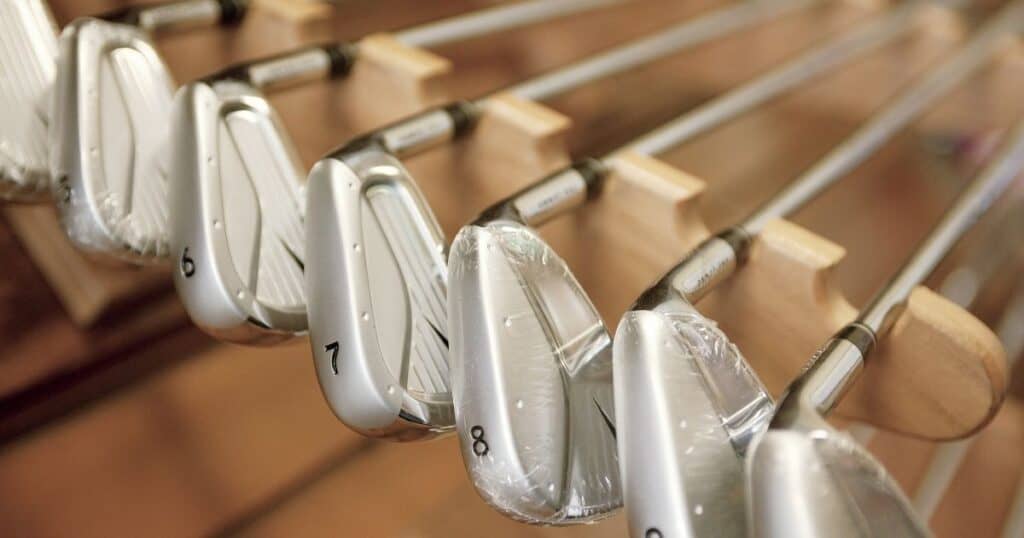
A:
(687, 405)
(820, 482)
(28, 49)
(237, 237)
(112, 96)
(376, 281)
(531, 379)
(804, 478)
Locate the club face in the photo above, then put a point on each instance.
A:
(531, 379)
(820, 482)
(238, 238)
(687, 404)
(28, 51)
(376, 280)
(109, 161)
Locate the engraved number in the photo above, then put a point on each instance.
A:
(480, 447)
(333, 348)
(188, 266)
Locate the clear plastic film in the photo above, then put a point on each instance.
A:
(28, 45)
(531, 379)
(688, 405)
(823, 483)
(112, 100)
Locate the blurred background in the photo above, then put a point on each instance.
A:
(119, 418)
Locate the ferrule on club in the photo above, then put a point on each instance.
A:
(550, 197)
(423, 131)
(295, 68)
(713, 261)
(182, 14)
(827, 377)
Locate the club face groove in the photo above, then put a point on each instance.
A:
(531, 379)
(683, 438)
(28, 51)
(238, 240)
(841, 489)
(377, 284)
(112, 99)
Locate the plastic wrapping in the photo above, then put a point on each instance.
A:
(531, 379)
(822, 483)
(28, 46)
(110, 126)
(688, 405)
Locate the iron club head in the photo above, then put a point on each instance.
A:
(687, 405)
(805, 478)
(531, 379)
(28, 49)
(112, 96)
(239, 202)
(376, 282)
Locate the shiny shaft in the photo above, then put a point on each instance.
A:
(690, 33)
(948, 458)
(1013, 527)
(310, 64)
(964, 283)
(779, 80)
(495, 19)
(969, 207)
(873, 135)
(569, 188)
(431, 128)
(843, 357)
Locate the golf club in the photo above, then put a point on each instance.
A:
(28, 46)
(685, 396)
(944, 463)
(376, 260)
(239, 200)
(531, 360)
(108, 134)
(802, 461)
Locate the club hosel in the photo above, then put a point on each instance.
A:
(294, 68)
(555, 195)
(827, 377)
(181, 15)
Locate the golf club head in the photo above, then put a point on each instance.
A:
(28, 52)
(820, 482)
(112, 100)
(376, 280)
(687, 405)
(531, 379)
(237, 236)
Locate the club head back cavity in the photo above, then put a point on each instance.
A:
(237, 236)
(376, 282)
(531, 379)
(112, 99)
(687, 405)
(28, 52)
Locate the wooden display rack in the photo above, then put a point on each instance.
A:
(940, 374)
